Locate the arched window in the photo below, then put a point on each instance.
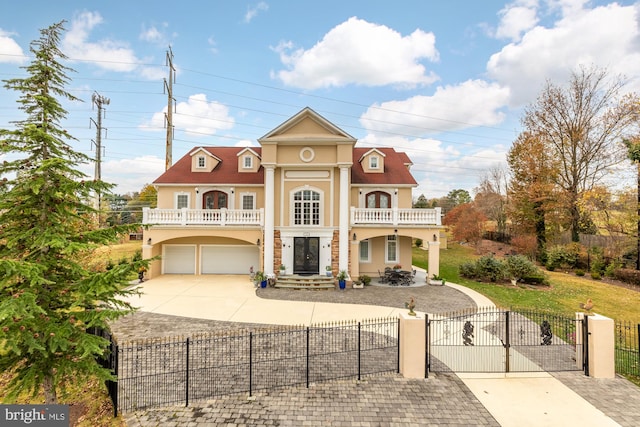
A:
(306, 207)
(214, 200)
(378, 199)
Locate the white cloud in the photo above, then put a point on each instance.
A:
(111, 55)
(131, 175)
(441, 112)
(517, 18)
(10, 50)
(252, 11)
(605, 36)
(155, 35)
(359, 52)
(197, 116)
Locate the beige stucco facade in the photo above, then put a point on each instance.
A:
(306, 198)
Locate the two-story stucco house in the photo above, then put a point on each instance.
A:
(307, 198)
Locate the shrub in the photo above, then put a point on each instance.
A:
(627, 275)
(538, 278)
(609, 271)
(595, 275)
(467, 269)
(419, 243)
(579, 272)
(562, 256)
(490, 269)
(519, 266)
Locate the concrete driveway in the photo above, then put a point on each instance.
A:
(232, 298)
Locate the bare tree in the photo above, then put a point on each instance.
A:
(491, 197)
(581, 126)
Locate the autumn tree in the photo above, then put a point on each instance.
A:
(48, 298)
(466, 222)
(531, 189)
(580, 126)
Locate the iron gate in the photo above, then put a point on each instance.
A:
(493, 340)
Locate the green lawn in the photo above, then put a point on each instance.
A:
(564, 294)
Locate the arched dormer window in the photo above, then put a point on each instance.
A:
(306, 207)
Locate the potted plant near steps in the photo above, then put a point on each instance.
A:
(328, 271)
(437, 280)
(342, 279)
(362, 281)
(283, 270)
(261, 279)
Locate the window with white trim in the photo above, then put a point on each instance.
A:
(391, 252)
(182, 200)
(365, 251)
(248, 201)
(306, 207)
(202, 162)
(247, 162)
(374, 162)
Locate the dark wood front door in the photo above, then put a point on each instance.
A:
(306, 255)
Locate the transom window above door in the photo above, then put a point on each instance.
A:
(306, 207)
(378, 199)
(214, 200)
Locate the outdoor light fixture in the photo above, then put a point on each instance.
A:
(354, 236)
(435, 238)
(258, 242)
(149, 241)
(395, 231)
(197, 190)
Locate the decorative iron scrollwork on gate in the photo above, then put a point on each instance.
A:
(467, 333)
(545, 333)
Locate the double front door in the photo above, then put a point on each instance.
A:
(306, 255)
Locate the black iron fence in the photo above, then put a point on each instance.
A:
(177, 371)
(627, 351)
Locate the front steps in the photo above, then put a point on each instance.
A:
(305, 282)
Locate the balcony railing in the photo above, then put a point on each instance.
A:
(219, 217)
(203, 216)
(395, 216)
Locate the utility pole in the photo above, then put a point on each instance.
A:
(168, 87)
(98, 100)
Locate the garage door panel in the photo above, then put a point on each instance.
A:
(179, 259)
(232, 259)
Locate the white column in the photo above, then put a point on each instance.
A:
(434, 260)
(269, 212)
(343, 231)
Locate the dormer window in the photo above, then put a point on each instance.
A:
(247, 162)
(202, 162)
(374, 162)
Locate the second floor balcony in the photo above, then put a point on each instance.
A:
(396, 216)
(213, 217)
(255, 217)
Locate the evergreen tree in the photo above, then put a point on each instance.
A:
(49, 298)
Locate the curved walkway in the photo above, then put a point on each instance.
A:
(231, 302)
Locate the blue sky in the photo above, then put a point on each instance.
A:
(444, 81)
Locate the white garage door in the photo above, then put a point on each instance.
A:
(232, 259)
(179, 259)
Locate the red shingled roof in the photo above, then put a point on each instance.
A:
(226, 172)
(395, 170)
